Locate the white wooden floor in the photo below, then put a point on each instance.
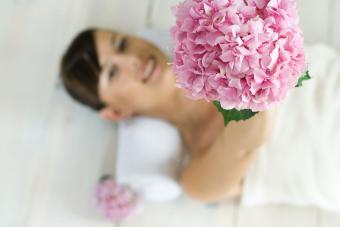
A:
(52, 151)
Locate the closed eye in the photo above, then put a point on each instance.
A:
(113, 71)
(120, 44)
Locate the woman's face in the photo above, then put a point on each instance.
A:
(132, 71)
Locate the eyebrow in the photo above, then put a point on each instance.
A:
(121, 40)
(114, 37)
(112, 71)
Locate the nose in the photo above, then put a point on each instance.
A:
(130, 64)
(130, 61)
(135, 61)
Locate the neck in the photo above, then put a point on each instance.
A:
(197, 120)
(176, 108)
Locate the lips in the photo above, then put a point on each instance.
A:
(149, 69)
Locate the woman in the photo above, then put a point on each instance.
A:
(121, 76)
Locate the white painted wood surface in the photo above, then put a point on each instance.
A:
(52, 151)
(329, 219)
(278, 215)
(184, 212)
(123, 15)
(335, 18)
(314, 20)
(161, 14)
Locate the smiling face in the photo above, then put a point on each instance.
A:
(132, 72)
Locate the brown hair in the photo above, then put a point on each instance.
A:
(80, 69)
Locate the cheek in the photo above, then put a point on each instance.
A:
(129, 75)
(124, 92)
(123, 85)
(132, 96)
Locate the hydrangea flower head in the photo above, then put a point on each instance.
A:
(116, 202)
(246, 54)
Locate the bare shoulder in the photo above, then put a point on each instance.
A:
(249, 134)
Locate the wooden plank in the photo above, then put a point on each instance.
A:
(126, 16)
(183, 212)
(329, 219)
(314, 19)
(276, 215)
(335, 23)
(22, 109)
(77, 144)
(161, 13)
(47, 179)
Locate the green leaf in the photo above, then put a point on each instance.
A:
(304, 77)
(233, 115)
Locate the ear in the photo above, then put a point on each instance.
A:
(114, 115)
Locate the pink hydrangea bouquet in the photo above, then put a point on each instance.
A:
(116, 202)
(243, 55)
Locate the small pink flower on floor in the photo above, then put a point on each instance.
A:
(117, 202)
